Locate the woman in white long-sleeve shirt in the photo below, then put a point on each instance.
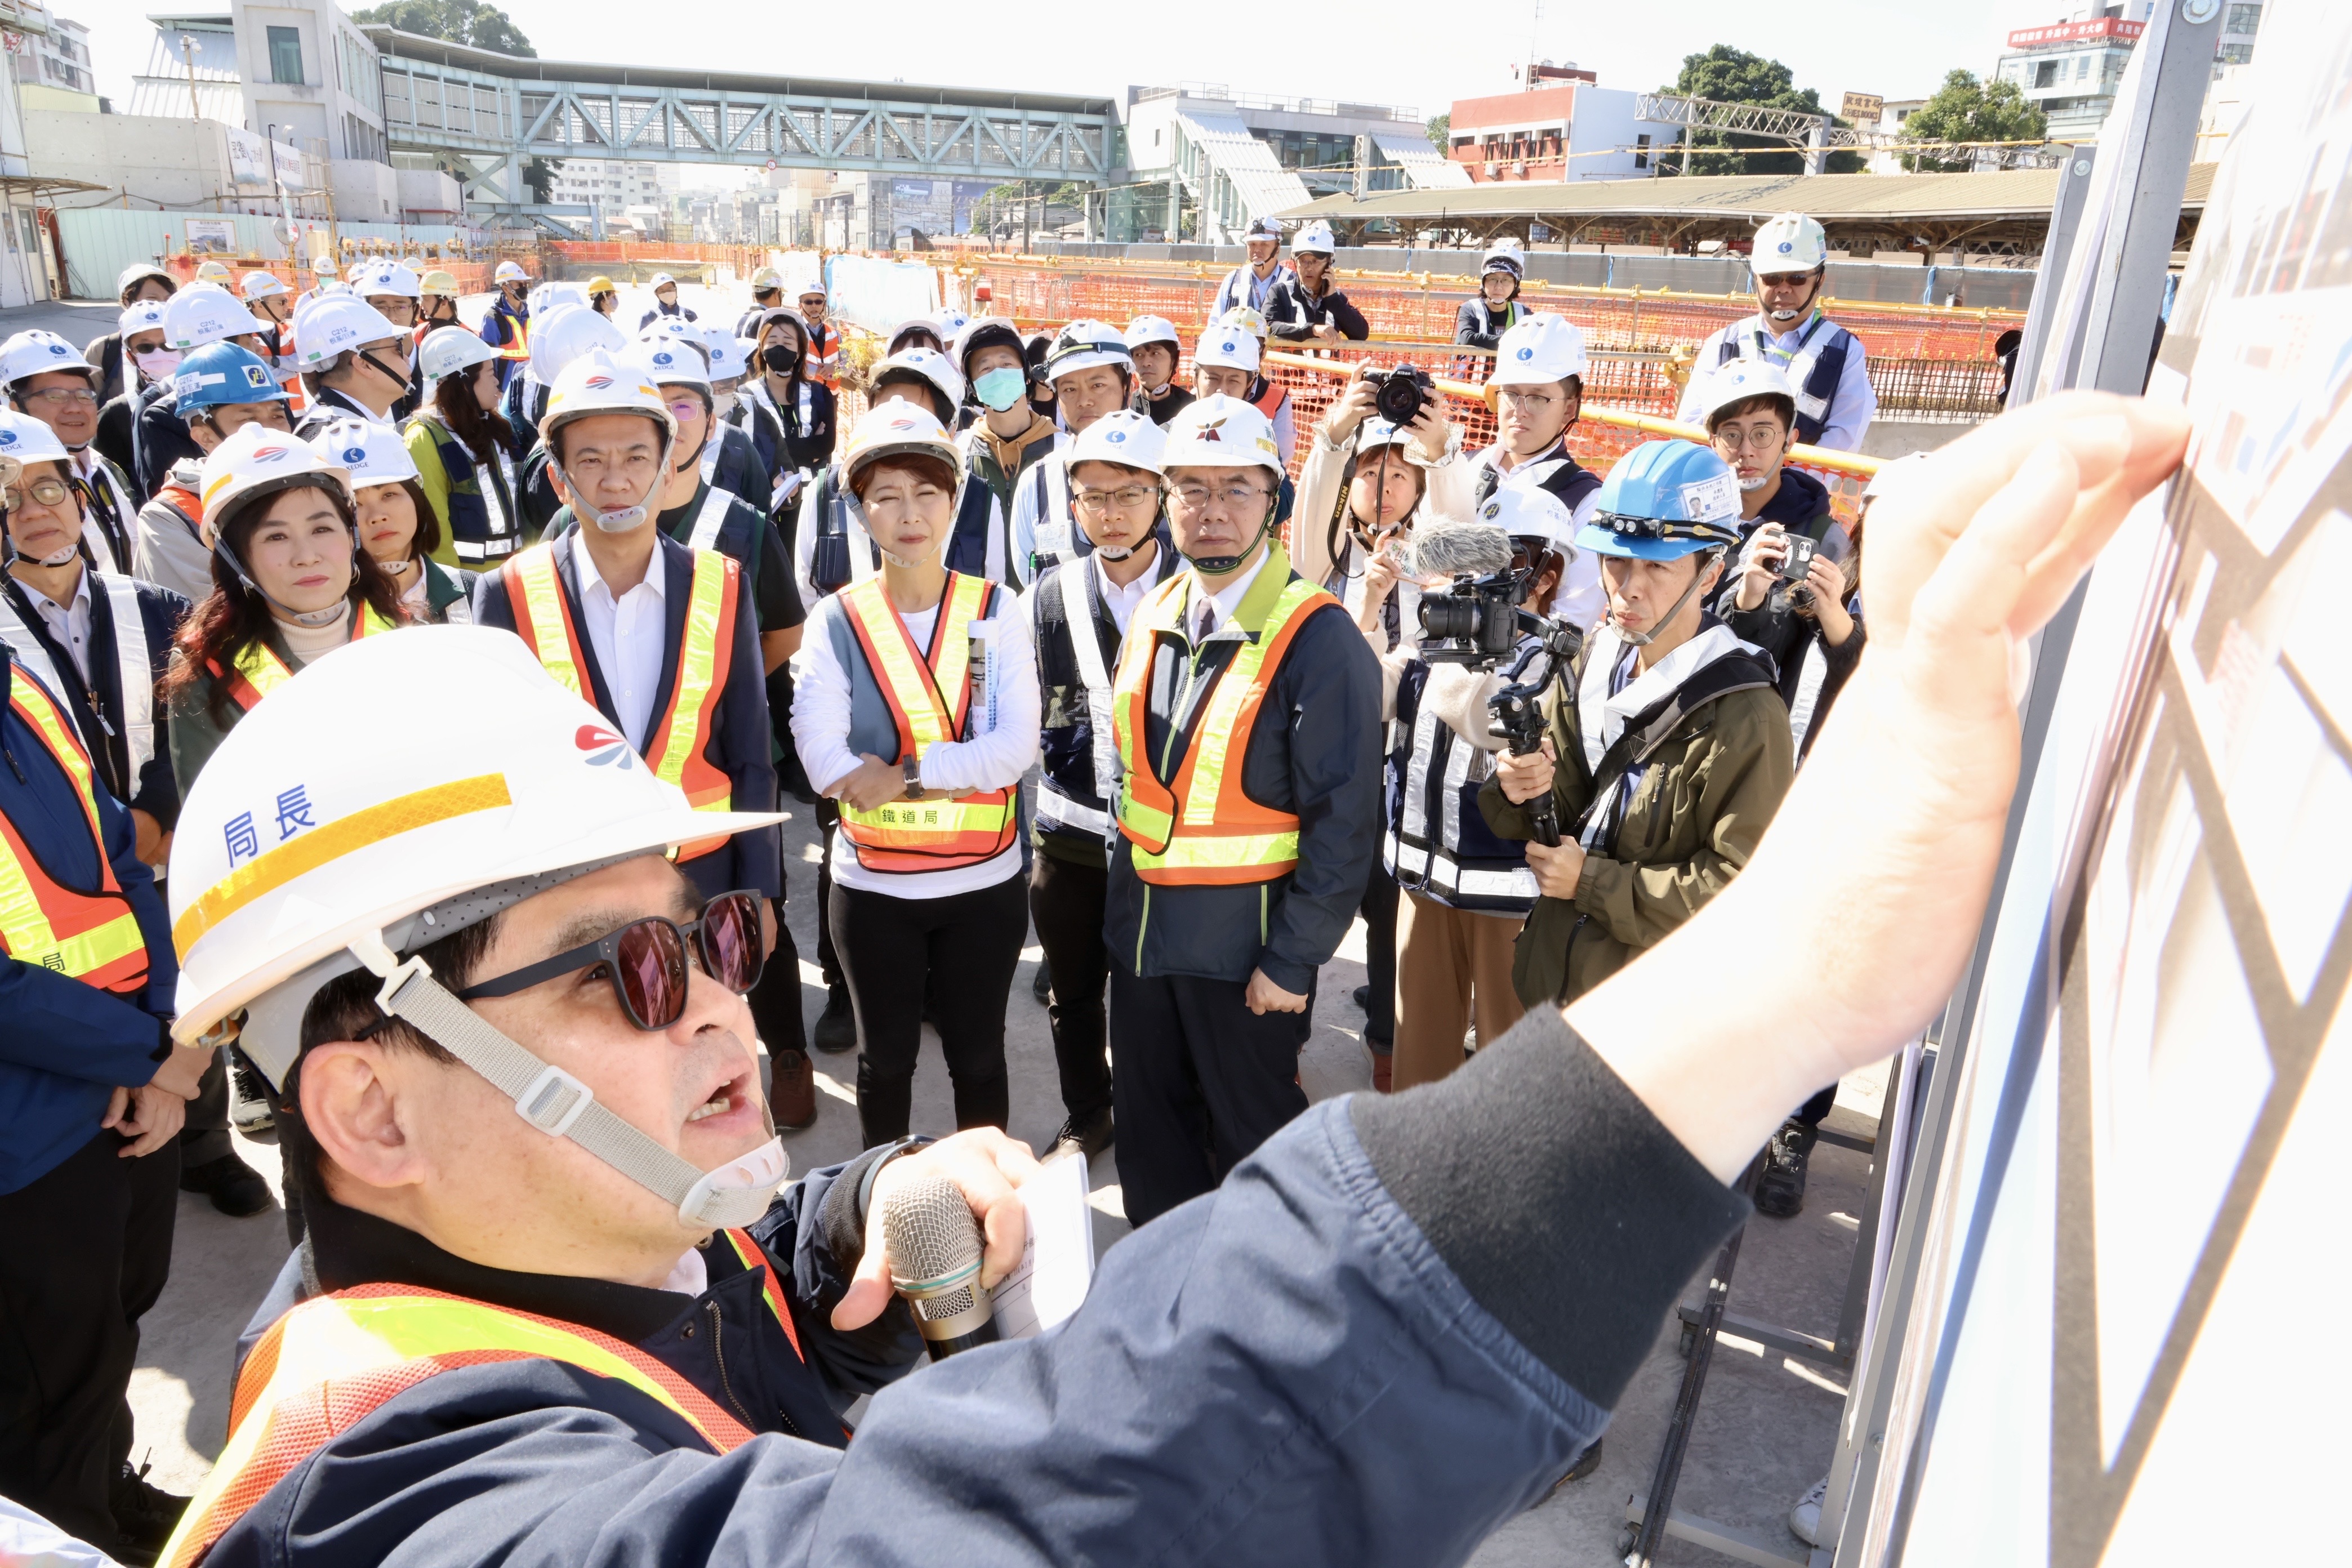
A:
(915, 708)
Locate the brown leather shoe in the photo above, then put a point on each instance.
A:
(791, 1092)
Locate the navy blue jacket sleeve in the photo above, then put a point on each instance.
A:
(1328, 694)
(745, 748)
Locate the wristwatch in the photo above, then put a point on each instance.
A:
(912, 767)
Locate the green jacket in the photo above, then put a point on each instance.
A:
(1716, 760)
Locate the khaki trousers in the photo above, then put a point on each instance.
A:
(1453, 969)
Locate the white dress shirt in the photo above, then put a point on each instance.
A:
(69, 624)
(1121, 601)
(628, 637)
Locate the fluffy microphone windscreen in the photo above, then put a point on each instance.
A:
(1447, 548)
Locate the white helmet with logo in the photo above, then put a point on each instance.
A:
(1123, 437)
(1230, 347)
(509, 272)
(1531, 511)
(600, 381)
(38, 352)
(25, 439)
(1789, 243)
(671, 362)
(727, 359)
(261, 285)
(899, 428)
(204, 314)
(255, 461)
(369, 453)
(1083, 345)
(448, 349)
(1152, 330)
(327, 325)
(1739, 380)
(1221, 432)
(523, 787)
(1316, 238)
(1543, 348)
(1506, 255)
(565, 333)
(1248, 317)
(394, 278)
(146, 316)
(930, 366)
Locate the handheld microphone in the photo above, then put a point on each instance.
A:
(935, 1251)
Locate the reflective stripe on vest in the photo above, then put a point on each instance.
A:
(329, 1364)
(519, 347)
(753, 1256)
(711, 519)
(1814, 367)
(134, 672)
(258, 671)
(679, 751)
(924, 835)
(1204, 829)
(92, 937)
(1086, 646)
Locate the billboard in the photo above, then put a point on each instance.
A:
(935, 206)
(1861, 108)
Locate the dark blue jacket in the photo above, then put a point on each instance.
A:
(739, 467)
(743, 746)
(65, 1046)
(1068, 730)
(501, 323)
(1327, 1361)
(98, 708)
(163, 439)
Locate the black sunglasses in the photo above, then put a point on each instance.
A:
(645, 960)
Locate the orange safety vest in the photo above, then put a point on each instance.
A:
(929, 694)
(332, 1362)
(518, 346)
(258, 671)
(1269, 402)
(680, 752)
(92, 937)
(824, 350)
(1205, 830)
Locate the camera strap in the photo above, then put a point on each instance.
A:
(1331, 530)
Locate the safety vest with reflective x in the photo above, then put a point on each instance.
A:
(1184, 813)
(679, 752)
(258, 671)
(93, 937)
(930, 692)
(332, 1362)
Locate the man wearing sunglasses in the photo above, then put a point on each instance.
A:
(1827, 364)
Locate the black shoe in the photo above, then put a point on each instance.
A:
(1781, 1189)
(1586, 1463)
(836, 1027)
(250, 1107)
(1363, 997)
(1041, 985)
(144, 1514)
(1092, 1134)
(235, 1188)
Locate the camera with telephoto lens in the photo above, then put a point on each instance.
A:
(1399, 392)
(1476, 621)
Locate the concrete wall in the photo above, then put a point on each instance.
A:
(363, 190)
(428, 195)
(1604, 123)
(154, 160)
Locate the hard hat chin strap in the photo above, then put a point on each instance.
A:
(622, 518)
(561, 1106)
(1643, 639)
(1218, 566)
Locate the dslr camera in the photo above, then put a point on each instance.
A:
(1399, 392)
(1474, 622)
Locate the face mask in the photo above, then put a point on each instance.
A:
(1758, 483)
(722, 404)
(1000, 388)
(157, 363)
(779, 359)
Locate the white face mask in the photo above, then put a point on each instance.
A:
(1758, 483)
(722, 405)
(156, 365)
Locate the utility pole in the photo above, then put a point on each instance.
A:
(188, 54)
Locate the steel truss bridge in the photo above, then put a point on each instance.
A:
(486, 114)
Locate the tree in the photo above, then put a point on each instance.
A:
(1441, 132)
(467, 22)
(1735, 76)
(1966, 109)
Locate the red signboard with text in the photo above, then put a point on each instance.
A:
(2077, 32)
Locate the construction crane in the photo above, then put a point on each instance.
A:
(1818, 136)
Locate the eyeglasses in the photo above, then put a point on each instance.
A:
(1763, 438)
(395, 309)
(1126, 498)
(686, 407)
(1195, 496)
(1536, 397)
(49, 492)
(645, 960)
(61, 396)
(1783, 279)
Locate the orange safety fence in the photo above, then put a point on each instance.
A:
(742, 260)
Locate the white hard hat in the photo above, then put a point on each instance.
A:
(601, 381)
(258, 460)
(899, 428)
(932, 367)
(1231, 347)
(1152, 330)
(25, 439)
(509, 272)
(1375, 431)
(261, 285)
(1506, 255)
(138, 271)
(727, 358)
(1740, 379)
(1122, 436)
(551, 295)
(563, 334)
(204, 314)
(211, 271)
(371, 454)
(1221, 432)
(1083, 345)
(1248, 317)
(515, 791)
(448, 349)
(36, 352)
(1531, 511)
(661, 281)
(1789, 243)
(669, 362)
(332, 324)
(396, 278)
(1314, 237)
(952, 321)
(670, 327)
(146, 316)
(1542, 348)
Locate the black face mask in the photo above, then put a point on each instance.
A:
(779, 358)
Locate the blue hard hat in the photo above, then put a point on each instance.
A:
(1663, 501)
(221, 374)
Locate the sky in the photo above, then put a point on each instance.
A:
(1379, 51)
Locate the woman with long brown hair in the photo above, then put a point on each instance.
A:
(463, 452)
(290, 583)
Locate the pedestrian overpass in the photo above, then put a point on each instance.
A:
(488, 114)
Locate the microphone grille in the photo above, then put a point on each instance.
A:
(930, 1232)
(1445, 548)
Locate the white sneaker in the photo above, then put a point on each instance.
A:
(1805, 1518)
(251, 1116)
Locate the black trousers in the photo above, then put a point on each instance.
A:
(1065, 904)
(203, 1137)
(963, 949)
(776, 999)
(84, 1252)
(1379, 911)
(1198, 1081)
(828, 960)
